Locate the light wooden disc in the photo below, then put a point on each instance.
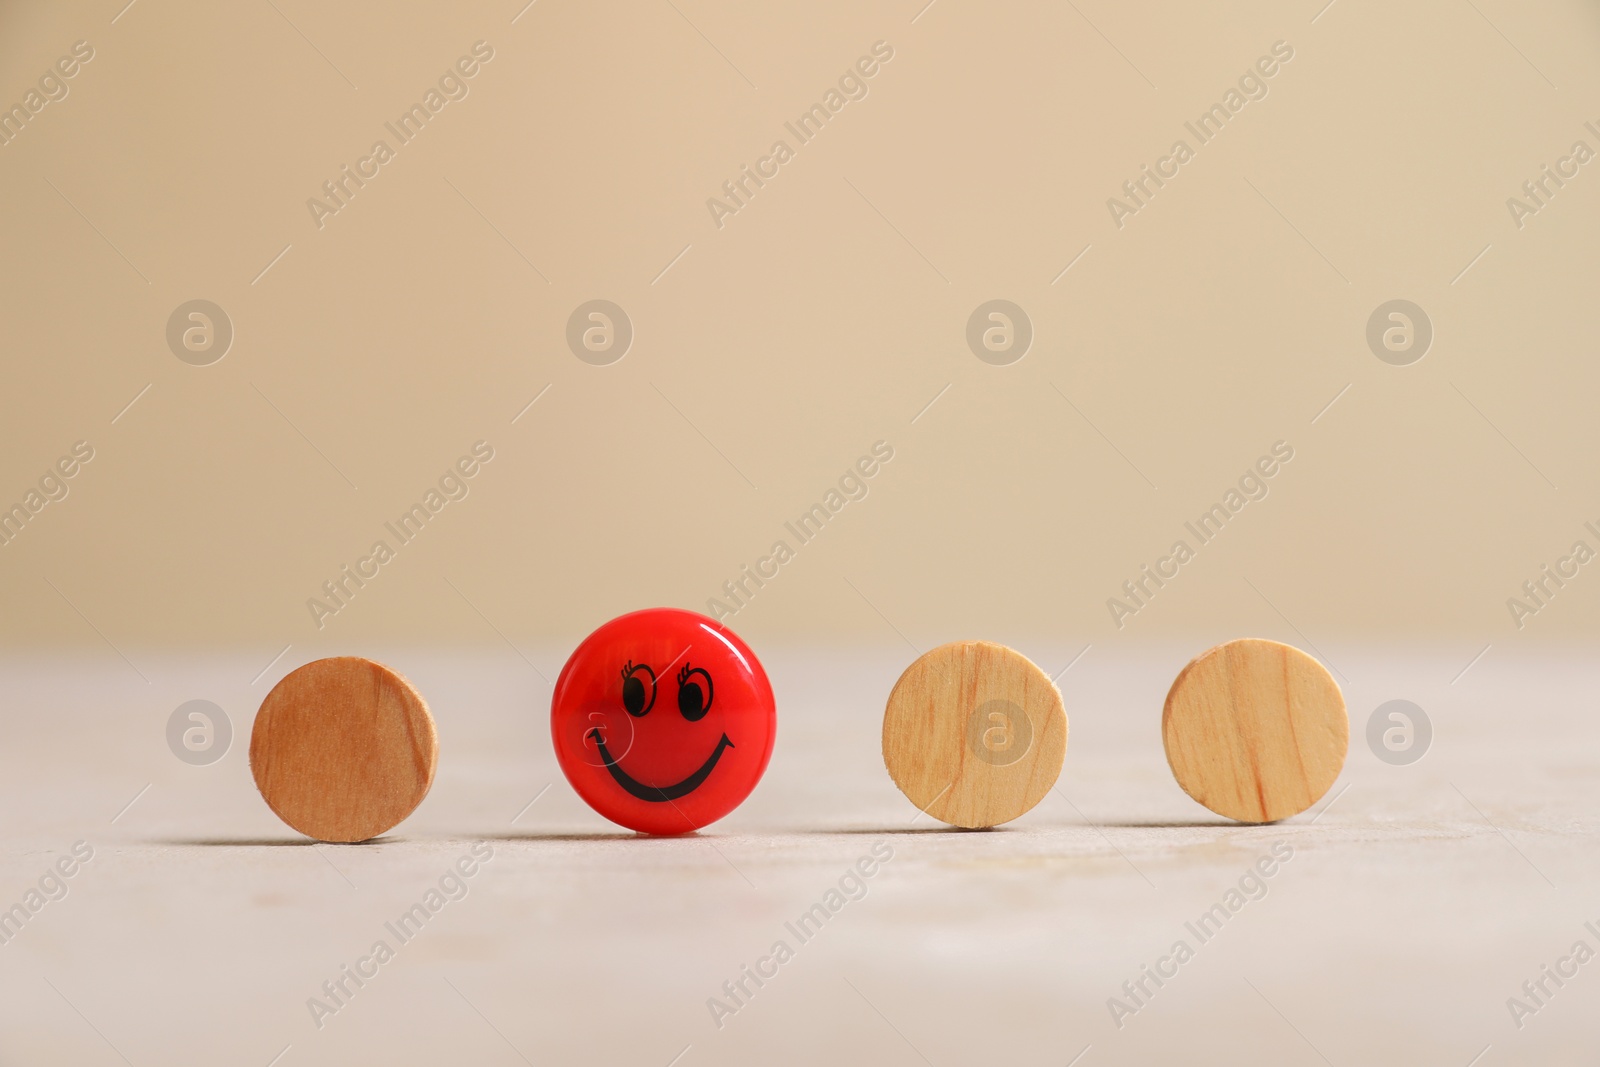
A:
(343, 749)
(974, 734)
(1255, 730)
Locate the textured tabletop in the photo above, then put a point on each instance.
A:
(825, 920)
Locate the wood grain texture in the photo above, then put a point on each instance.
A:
(343, 749)
(974, 734)
(1255, 730)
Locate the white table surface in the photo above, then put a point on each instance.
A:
(1411, 910)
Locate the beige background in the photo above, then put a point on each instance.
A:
(821, 318)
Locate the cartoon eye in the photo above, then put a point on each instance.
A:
(638, 689)
(694, 693)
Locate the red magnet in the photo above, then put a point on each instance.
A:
(663, 720)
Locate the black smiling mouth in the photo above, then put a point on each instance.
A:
(657, 793)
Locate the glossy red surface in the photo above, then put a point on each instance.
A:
(663, 720)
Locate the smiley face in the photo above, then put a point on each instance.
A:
(638, 697)
(663, 720)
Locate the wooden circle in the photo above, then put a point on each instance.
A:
(1255, 730)
(343, 749)
(974, 734)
